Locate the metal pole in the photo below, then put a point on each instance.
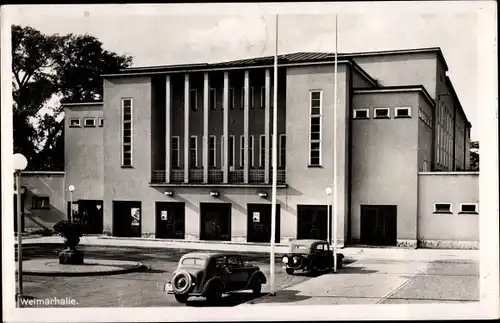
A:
(334, 203)
(71, 206)
(19, 240)
(275, 159)
(328, 223)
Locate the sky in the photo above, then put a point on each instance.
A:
(173, 34)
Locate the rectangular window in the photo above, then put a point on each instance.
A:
(252, 98)
(74, 122)
(212, 152)
(282, 150)
(262, 97)
(470, 208)
(89, 122)
(262, 150)
(175, 152)
(193, 99)
(212, 97)
(403, 112)
(40, 202)
(193, 151)
(231, 151)
(242, 151)
(442, 208)
(361, 114)
(382, 113)
(251, 151)
(127, 132)
(315, 128)
(101, 121)
(231, 98)
(242, 98)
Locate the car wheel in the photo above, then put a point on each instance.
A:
(181, 298)
(257, 287)
(289, 271)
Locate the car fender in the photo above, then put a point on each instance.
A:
(214, 282)
(256, 275)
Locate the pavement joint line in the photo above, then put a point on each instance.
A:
(408, 280)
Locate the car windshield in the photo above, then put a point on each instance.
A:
(193, 262)
(294, 247)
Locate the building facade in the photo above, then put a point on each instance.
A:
(184, 152)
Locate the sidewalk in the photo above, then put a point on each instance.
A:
(357, 253)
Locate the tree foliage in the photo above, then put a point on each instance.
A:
(474, 155)
(53, 66)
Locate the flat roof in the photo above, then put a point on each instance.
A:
(403, 88)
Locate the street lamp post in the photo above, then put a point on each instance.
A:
(328, 192)
(71, 188)
(20, 163)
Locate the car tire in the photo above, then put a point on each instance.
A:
(257, 287)
(181, 298)
(289, 271)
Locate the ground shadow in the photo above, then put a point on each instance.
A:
(354, 270)
(283, 296)
(232, 299)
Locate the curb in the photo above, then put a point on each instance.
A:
(137, 267)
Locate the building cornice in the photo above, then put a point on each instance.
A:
(395, 89)
(73, 104)
(448, 173)
(42, 172)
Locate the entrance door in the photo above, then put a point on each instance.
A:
(215, 221)
(259, 223)
(91, 215)
(311, 222)
(379, 225)
(127, 218)
(170, 220)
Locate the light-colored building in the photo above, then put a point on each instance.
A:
(183, 152)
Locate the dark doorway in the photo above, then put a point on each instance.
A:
(170, 219)
(215, 221)
(127, 218)
(379, 225)
(90, 214)
(259, 223)
(15, 212)
(312, 222)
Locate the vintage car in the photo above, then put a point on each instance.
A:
(309, 256)
(210, 275)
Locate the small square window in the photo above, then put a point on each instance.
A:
(468, 208)
(101, 122)
(40, 202)
(74, 122)
(361, 114)
(89, 122)
(442, 208)
(403, 112)
(382, 113)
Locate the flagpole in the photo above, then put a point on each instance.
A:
(274, 160)
(334, 203)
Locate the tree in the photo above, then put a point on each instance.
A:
(474, 156)
(46, 66)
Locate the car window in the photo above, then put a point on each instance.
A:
(233, 261)
(319, 247)
(192, 261)
(326, 247)
(221, 261)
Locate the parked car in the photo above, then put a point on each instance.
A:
(212, 274)
(309, 255)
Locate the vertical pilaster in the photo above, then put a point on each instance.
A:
(186, 128)
(245, 125)
(225, 103)
(205, 128)
(168, 129)
(267, 120)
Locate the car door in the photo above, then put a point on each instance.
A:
(328, 256)
(319, 256)
(238, 274)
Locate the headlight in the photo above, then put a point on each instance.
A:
(285, 260)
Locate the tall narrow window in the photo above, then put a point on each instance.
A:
(242, 106)
(252, 98)
(315, 129)
(242, 151)
(251, 151)
(193, 99)
(262, 97)
(212, 99)
(231, 151)
(127, 132)
(262, 150)
(175, 152)
(282, 143)
(212, 152)
(193, 151)
(231, 98)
